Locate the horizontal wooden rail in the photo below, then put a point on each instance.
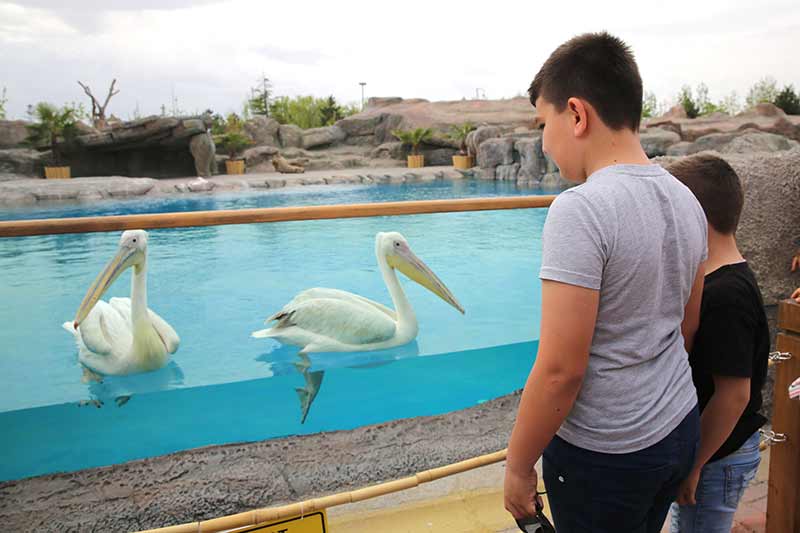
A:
(49, 226)
(257, 516)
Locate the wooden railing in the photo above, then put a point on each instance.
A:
(49, 226)
(783, 496)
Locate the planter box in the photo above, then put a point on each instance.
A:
(463, 162)
(234, 167)
(57, 173)
(416, 161)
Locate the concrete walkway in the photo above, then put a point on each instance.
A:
(30, 191)
(472, 502)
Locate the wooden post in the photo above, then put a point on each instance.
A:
(783, 497)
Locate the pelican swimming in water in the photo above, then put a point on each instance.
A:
(122, 336)
(330, 320)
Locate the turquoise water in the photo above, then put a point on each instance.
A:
(215, 285)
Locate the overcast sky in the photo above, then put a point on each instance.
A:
(209, 53)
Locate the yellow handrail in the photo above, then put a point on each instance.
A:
(269, 514)
(48, 226)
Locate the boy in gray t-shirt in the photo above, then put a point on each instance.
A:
(609, 404)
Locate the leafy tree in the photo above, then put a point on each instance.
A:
(352, 108)
(330, 111)
(765, 90)
(788, 100)
(687, 101)
(3, 101)
(303, 111)
(730, 104)
(259, 102)
(649, 105)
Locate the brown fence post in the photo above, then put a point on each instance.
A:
(783, 497)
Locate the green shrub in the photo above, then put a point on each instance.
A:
(788, 100)
(3, 101)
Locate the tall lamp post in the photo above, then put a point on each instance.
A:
(362, 83)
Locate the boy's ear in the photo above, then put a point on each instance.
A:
(579, 116)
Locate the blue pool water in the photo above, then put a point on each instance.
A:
(215, 285)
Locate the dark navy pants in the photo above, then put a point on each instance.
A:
(592, 492)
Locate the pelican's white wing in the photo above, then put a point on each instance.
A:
(106, 329)
(348, 321)
(335, 294)
(166, 332)
(168, 335)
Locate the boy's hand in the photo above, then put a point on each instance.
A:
(687, 490)
(519, 493)
(796, 295)
(796, 260)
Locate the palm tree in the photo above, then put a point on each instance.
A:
(52, 126)
(413, 138)
(459, 133)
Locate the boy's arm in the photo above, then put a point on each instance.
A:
(731, 395)
(691, 313)
(724, 349)
(568, 319)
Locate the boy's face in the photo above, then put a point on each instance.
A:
(559, 140)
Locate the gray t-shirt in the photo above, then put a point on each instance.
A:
(638, 235)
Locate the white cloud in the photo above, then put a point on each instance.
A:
(210, 53)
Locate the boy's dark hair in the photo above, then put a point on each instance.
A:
(716, 186)
(599, 68)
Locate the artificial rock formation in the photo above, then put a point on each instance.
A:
(204, 152)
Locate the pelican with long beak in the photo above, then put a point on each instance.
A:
(122, 336)
(330, 320)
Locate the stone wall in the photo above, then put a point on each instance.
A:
(516, 157)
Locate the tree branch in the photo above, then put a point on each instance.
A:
(88, 91)
(111, 92)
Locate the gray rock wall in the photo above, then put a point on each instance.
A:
(770, 219)
(13, 133)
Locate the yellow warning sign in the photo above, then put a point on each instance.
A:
(316, 522)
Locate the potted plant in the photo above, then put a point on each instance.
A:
(53, 126)
(414, 138)
(232, 141)
(459, 133)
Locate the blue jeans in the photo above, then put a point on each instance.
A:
(719, 490)
(592, 492)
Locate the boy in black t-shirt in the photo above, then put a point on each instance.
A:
(728, 358)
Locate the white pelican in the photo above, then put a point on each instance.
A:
(122, 336)
(330, 320)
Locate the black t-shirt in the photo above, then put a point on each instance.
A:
(732, 340)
